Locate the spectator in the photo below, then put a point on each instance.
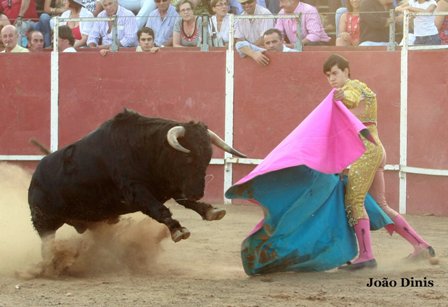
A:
(3, 19)
(3, 22)
(10, 37)
(35, 41)
(102, 30)
(374, 22)
(236, 8)
(252, 30)
(20, 12)
(313, 32)
(425, 30)
(90, 5)
(146, 41)
(187, 30)
(80, 29)
(52, 8)
(218, 26)
(272, 5)
(349, 25)
(441, 21)
(273, 42)
(140, 8)
(66, 39)
(162, 21)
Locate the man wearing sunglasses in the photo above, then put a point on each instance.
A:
(162, 21)
(251, 30)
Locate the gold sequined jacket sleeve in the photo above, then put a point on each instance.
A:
(356, 92)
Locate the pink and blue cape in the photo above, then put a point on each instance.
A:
(305, 227)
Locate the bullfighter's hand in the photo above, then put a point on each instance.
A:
(338, 94)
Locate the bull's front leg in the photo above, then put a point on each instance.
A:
(149, 205)
(207, 211)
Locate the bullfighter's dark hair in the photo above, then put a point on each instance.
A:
(336, 60)
(145, 30)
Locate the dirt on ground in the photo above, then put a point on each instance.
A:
(135, 263)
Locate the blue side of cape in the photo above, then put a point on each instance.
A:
(305, 226)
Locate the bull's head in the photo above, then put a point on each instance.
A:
(179, 131)
(195, 141)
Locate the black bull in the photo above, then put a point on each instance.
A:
(130, 163)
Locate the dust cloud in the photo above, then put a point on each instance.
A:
(19, 243)
(132, 245)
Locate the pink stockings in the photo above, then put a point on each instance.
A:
(362, 231)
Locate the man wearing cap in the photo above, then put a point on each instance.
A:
(102, 30)
(313, 32)
(162, 21)
(251, 30)
(9, 37)
(272, 42)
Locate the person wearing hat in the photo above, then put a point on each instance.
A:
(80, 29)
(251, 30)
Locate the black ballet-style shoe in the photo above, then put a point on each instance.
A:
(369, 264)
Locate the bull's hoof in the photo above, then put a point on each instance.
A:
(180, 234)
(215, 214)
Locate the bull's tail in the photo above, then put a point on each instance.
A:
(41, 147)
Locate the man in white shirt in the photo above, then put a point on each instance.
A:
(102, 30)
(251, 30)
(66, 40)
(272, 41)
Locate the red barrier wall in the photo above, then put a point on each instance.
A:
(269, 103)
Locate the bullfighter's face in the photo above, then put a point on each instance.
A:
(337, 77)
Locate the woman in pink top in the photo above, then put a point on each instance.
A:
(349, 25)
(441, 21)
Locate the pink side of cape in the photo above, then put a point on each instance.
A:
(327, 140)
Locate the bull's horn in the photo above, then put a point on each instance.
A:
(215, 139)
(173, 134)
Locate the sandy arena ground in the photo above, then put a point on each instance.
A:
(126, 265)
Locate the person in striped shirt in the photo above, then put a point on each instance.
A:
(101, 33)
(313, 32)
